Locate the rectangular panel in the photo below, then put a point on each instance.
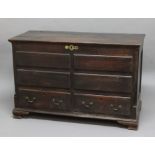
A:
(109, 83)
(102, 104)
(39, 47)
(103, 63)
(43, 100)
(43, 78)
(38, 59)
(109, 50)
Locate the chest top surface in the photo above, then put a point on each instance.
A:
(80, 37)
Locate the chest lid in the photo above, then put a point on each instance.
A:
(80, 37)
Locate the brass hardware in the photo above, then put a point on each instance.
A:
(53, 99)
(83, 102)
(87, 105)
(30, 100)
(71, 47)
(116, 108)
(66, 47)
(91, 103)
(56, 102)
(60, 101)
(111, 105)
(120, 106)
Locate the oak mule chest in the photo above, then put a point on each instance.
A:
(88, 75)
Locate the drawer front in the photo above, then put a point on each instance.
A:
(103, 63)
(43, 100)
(37, 59)
(99, 104)
(43, 78)
(108, 83)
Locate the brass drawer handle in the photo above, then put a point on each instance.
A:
(71, 47)
(116, 108)
(87, 105)
(57, 102)
(30, 100)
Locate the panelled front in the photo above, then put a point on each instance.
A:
(42, 65)
(42, 76)
(107, 70)
(103, 80)
(87, 75)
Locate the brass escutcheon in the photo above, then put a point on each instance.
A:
(71, 47)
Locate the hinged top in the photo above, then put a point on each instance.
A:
(80, 37)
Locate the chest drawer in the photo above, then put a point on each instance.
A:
(42, 59)
(43, 78)
(103, 63)
(43, 100)
(99, 82)
(100, 104)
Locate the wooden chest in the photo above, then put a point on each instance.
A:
(85, 75)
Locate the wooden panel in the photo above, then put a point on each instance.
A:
(40, 47)
(109, 83)
(33, 59)
(43, 100)
(114, 50)
(102, 104)
(103, 63)
(43, 78)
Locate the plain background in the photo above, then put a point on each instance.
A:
(57, 127)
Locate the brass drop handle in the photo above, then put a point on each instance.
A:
(56, 102)
(71, 47)
(87, 105)
(30, 100)
(116, 108)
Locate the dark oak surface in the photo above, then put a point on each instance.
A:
(108, 83)
(80, 37)
(103, 63)
(43, 78)
(46, 60)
